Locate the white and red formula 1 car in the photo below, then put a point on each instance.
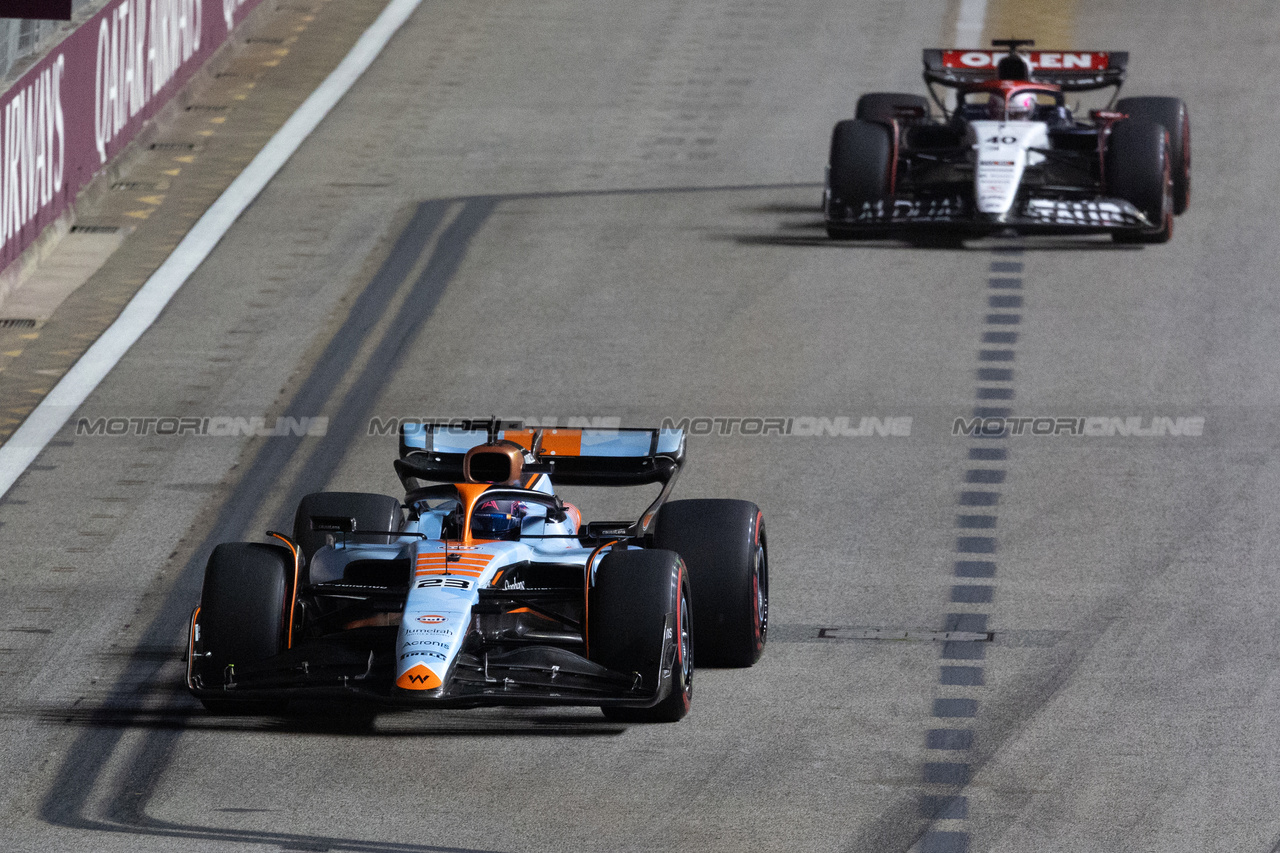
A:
(1009, 154)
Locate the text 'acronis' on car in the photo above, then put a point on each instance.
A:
(483, 587)
(1010, 155)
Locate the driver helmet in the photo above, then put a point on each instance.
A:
(1022, 106)
(498, 517)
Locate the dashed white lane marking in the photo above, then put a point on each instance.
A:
(60, 404)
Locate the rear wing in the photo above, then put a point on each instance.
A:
(569, 456)
(1074, 71)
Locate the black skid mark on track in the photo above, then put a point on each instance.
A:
(417, 308)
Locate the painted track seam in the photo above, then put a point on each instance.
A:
(87, 373)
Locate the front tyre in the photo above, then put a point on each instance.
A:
(639, 621)
(1172, 115)
(1139, 170)
(859, 171)
(723, 543)
(243, 616)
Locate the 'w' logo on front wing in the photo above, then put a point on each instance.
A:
(418, 677)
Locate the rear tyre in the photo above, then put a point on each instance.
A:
(369, 512)
(1172, 115)
(639, 615)
(858, 172)
(724, 546)
(243, 613)
(1138, 170)
(887, 106)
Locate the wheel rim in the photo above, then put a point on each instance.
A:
(760, 595)
(1186, 159)
(1166, 222)
(686, 647)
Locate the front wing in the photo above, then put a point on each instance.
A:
(955, 212)
(358, 664)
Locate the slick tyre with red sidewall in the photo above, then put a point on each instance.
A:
(1172, 115)
(1139, 170)
(243, 614)
(723, 544)
(638, 621)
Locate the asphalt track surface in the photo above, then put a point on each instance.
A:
(562, 209)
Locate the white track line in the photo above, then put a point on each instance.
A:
(73, 389)
(969, 23)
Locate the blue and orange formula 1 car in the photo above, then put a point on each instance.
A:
(483, 587)
(1009, 154)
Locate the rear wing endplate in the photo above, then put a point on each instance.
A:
(1073, 70)
(569, 456)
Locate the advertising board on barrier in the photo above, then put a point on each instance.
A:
(76, 108)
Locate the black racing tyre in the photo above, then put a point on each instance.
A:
(884, 106)
(638, 620)
(859, 169)
(243, 612)
(724, 546)
(1170, 113)
(1138, 170)
(370, 511)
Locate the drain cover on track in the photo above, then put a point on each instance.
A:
(918, 635)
